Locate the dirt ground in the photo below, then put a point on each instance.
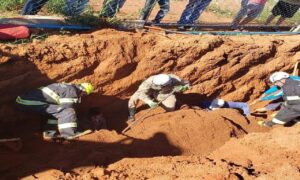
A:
(190, 143)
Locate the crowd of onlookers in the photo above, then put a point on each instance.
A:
(250, 10)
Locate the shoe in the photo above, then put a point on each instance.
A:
(50, 134)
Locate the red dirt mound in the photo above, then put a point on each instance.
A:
(234, 68)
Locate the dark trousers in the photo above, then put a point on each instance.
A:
(149, 5)
(65, 116)
(111, 7)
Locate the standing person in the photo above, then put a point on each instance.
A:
(56, 100)
(149, 5)
(72, 8)
(290, 109)
(192, 12)
(284, 9)
(155, 89)
(110, 8)
(250, 9)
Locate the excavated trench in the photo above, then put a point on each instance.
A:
(232, 68)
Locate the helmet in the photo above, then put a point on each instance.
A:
(216, 103)
(161, 80)
(277, 76)
(87, 87)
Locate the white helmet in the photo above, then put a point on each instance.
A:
(277, 76)
(217, 103)
(161, 80)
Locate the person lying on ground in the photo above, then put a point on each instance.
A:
(220, 103)
(284, 9)
(56, 100)
(192, 12)
(290, 109)
(156, 89)
(149, 5)
(250, 9)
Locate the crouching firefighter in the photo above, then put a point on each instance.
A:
(57, 101)
(157, 90)
(290, 109)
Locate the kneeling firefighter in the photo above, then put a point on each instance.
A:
(158, 89)
(57, 101)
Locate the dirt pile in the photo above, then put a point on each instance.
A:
(234, 68)
(255, 156)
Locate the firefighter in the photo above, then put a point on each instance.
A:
(56, 100)
(156, 89)
(290, 109)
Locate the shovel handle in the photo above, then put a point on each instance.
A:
(10, 140)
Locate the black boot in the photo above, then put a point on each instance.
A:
(131, 113)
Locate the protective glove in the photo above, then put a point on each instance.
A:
(266, 124)
(131, 113)
(152, 104)
(181, 88)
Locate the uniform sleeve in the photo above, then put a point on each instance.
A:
(291, 91)
(144, 89)
(176, 81)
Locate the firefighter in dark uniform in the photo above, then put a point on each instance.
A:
(290, 110)
(56, 100)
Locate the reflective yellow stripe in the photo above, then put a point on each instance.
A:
(67, 125)
(50, 93)
(52, 121)
(56, 97)
(277, 121)
(68, 100)
(292, 98)
(28, 102)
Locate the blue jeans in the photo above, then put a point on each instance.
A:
(149, 5)
(73, 7)
(193, 10)
(228, 104)
(32, 7)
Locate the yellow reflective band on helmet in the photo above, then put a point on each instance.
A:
(67, 125)
(50, 93)
(87, 87)
(56, 97)
(19, 100)
(52, 121)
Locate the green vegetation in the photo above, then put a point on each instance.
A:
(55, 6)
(11, 5)
(220, 12)
(42, 37)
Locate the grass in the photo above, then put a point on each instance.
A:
(219, 12)
(11, 5)
(41, 36)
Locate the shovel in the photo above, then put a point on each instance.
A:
(143, 116)
(14, 144)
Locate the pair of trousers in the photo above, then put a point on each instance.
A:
(193, 10)
(149, 5)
